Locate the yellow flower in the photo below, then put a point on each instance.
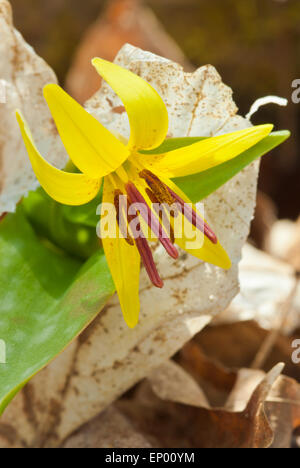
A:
(99, 155)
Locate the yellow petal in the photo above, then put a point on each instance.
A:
(124, 263)
(148, 116)
(207, 153)
(208, 252)
(66, 188)
(91, 147)
(202, 248)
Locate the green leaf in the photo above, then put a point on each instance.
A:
(72, 229)
(47, 299)
(199, 186)
(84, 214)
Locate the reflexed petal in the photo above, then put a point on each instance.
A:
(146, 110)
(66, 188)
(124, 263)
(91, 147)
(207, 153)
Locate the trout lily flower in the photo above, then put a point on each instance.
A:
(125, 168)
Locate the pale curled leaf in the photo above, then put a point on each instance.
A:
(266, 284)
(23, 75)
(198, 104)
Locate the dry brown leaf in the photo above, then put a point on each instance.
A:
(260, 410)
(212, 377)
(266, 284)
(123, 21)
(175, 424)
(109, 358)
(284, 242)
(234, 346)
(283, 411)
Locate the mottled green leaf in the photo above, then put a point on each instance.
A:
(47, 299)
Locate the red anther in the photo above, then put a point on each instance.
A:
(193, 217)
(157, 186)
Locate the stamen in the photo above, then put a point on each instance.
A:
(158, 188)
(159, 212)
(194, 218)
(147, 259)
(141, 243)
(164, 194)
(152, 221)
(121, 219)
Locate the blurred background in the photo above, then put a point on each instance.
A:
(255, 46)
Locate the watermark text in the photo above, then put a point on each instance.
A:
(159, 220)
(296, 93)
